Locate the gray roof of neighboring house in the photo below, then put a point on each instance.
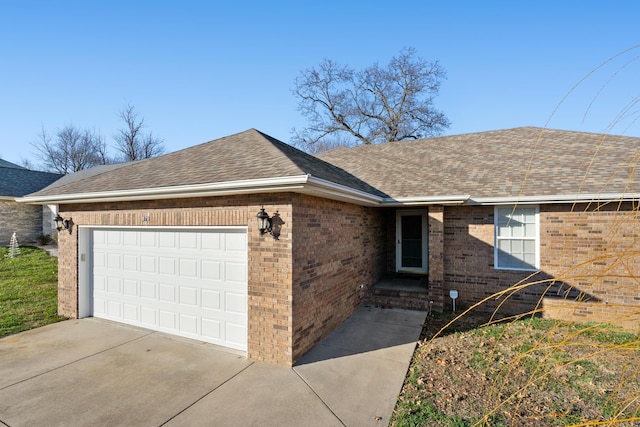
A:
(249, 155)
(524, 161)
(5, 164)
(516, 162)
(16, 181)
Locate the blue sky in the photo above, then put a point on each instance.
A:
(198, 71)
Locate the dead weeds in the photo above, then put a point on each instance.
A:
(529, 372)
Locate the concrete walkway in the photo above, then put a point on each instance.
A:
(95, 372)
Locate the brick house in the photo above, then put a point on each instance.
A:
(174, 244)
(27, 221)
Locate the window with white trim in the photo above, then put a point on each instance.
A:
(517, 237)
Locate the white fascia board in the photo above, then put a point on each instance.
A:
(330, 190)
(9, 199)
(570, 198)
(449, 200)
(289, 183)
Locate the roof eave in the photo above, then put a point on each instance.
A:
(305, 184)
(289, 183)
(448, 200)
(556, 199)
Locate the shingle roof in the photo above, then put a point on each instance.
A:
(520, 162)
(16, 181)
(5, 164)
(525, 161)
(249, 155)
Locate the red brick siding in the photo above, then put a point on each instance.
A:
(270, 261)
(590, 250)
(337, 248)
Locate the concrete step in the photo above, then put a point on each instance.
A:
(413, 299)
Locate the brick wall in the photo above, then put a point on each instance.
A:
(24, 220)
(606, 280)
(586, 253)
(270, 269)
(339, 251)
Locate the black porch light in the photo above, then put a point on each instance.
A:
(264, 222)
(62, 223)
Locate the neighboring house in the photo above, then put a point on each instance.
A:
(173, 243)
(27, 221)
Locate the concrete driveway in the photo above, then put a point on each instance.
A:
(95, 372)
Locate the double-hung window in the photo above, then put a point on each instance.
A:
(517, 238)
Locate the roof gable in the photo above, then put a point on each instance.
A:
(249, 155)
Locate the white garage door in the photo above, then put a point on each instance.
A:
(188, 283)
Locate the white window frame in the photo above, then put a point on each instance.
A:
(535, 239)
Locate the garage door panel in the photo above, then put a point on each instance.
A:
(148, 316)
(130, 263)
(211, 241)
(99, 260)
(148, 290)
(167, 320)
(130, 288)
(189, 324)
(167, 293)
(114, 309)
(147, 264)
(211, 270)
(130, 312)
(188, 267)
(191, 283)
(113, 261)
(98, 237)
(114, 285)
(130, 239)
(235, 303)
(188, 296)
(167, 239)
(236, 242)
(188, 240)
(211, 299)
(212, 330)
(99, 283)
(167, 265)
(235, 333)
(113, 238)
(235, 272)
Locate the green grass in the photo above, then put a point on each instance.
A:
(28, 290)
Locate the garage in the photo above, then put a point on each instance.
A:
(187, 282)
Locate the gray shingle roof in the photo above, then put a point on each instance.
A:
(248, 155)
(5, 164)
(525, 161)
(16, 181)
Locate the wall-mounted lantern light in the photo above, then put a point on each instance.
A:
(63, 223)
(265, 223)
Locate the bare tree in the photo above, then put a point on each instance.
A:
(131, 142)
(374, 105)
(71, 150)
